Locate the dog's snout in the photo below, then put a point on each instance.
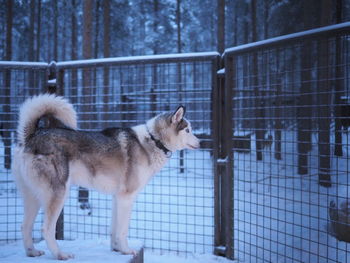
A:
(196, 143)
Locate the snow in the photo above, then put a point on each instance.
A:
(221, 71)
(52, 82)
(98, 250)
(280, 215)
(152, 257)
(84, 251)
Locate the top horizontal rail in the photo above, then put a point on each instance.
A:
(23, 65)
(327, 31)
(166, 58)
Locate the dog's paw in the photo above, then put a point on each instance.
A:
(64, 256)
(128, 251)
(125, 251)
(32, 252)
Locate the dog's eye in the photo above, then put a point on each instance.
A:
(187, 130)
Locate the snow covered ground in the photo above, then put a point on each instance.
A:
(92, 251)
(281, 216)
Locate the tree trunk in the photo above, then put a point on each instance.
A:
(266, 19)
(259, 106)
(304, 110)
(94, 91)
(55, 31)
(5, 121)
(74, 89)
(278, 121)
(63, 33)
(31, 51)
(38, 33)
(97, 26)
(106, 54)
(155, 25)
(246, 28)
(304, 113)
(153, 95)
(49, 34)
(339, 85)
(324, 94)
(235, 37)
(221, 26)
(87, 97)
(31, 46)
(179, 69)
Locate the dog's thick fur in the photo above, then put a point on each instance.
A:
(51, 155)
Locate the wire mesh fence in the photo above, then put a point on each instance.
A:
(290, 118)
(174, 212)
(17, 83)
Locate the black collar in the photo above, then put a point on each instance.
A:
(160, 145)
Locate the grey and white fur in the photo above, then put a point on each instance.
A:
(52, 154)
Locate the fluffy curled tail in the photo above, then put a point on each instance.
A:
(44, 105)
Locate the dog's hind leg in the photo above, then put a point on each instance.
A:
(31, 203)
(53, 207)
(31, 207)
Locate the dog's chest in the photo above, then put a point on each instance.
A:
(156, 163)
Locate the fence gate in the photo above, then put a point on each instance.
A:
(288, 110)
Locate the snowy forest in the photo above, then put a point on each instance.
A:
(45, 30)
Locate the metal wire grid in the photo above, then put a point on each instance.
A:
(288, 142)
(175, 210)
(17, 83)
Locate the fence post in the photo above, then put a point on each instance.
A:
(218, 79)
(227, 184)
(52, 84)
(51, 79)
(224, 163)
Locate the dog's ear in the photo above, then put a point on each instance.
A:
(178, 114)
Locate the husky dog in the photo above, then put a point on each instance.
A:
(52, 154)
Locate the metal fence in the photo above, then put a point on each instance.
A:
(271, 180)
(175, 211)
(288, 102)
(16, 84)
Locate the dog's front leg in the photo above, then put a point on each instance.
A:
(122, 206)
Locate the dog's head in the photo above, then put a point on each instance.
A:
(175, 131)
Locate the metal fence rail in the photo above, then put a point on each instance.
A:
(289, 104)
